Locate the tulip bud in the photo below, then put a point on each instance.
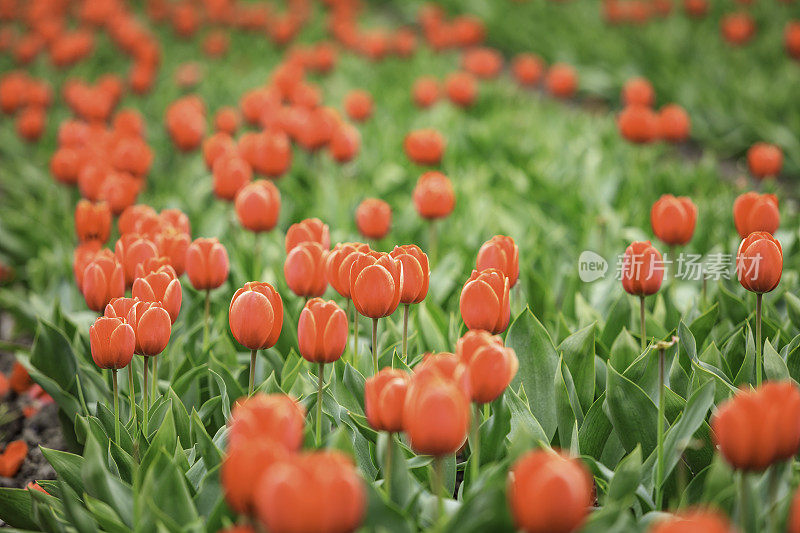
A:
(549, 492)
(502, 253)
(384, 396)
(673, 219)
(112, 342)
(764, 160)
(436, 415)
(375, 284)
(227, 120)
(416, 273)
(638, 124)
(83, 255)
(358, 105)
(155, 264)
(338, 263)
(258, 205)
(119, 308)
(256, 315)
(461, 88)
(425, 92)
(642, 269)
(491, 365)
(174, 246)
(756, 212)
(304, 269)
(424, 147)
(289, 495)
(131, 250)
(231, 173)
(689, 520)
(561, 81)
(152, 326)
(267, 417)
(345, 143)
(674, 124)
(322, 331)
(527, 69)
(243, 467)
(161, 287)
(102, 280)
(638, 91)
(217, 145)
(757, 428)
(206, 264)
(759, 262)
(92, 221)
(310, 229)
(485, 302)
(132, 217)
(374, 218)
(433, 196)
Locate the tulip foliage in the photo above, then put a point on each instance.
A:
(339, 276)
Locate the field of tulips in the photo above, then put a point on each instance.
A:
(326, 266)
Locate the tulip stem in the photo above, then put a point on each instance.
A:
(132, 391)
(772, 495)
(375, 344)
(743, 501)
(252, 372)
(205, 319)
(347, 314)
(405, 332)
(355, 336)
(438, 476)
(475, 445)
(432, 240)
(660, 432)
(155, 377)
(320, 381)
(116, 404)
(759, 347)
(641, 317)
(387, 464)
(145, 400)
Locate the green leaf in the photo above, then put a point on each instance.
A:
(486, 507)
(775, 368)
(522, 418)
(578, 353)
(568, 411)
(67, 465)
(618, 317)
(52, 355)
(537, 367)
(747, 371)
(631, 412)
(626, 477)
(15, 508)
(100, 484)
(702, 325)
(494, 431)
(793, 308)
(165, 490)
(384, 515)
(402, 489)
(595, 430)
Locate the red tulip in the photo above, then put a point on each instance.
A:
(759, 262)
(376, 284)
(358, 105)
(152, 326)
(83, 255)
(112, 342)
(433, 196)
(673, 219)
(415, 273)
(317, 491)
(638, 124)
(674, 124)
(310, 229)
(485, 63)
(206, 264)
(103, 280)
(131, 250)
(561, 80)
(738, 28)
(502, 253)
(642, 269)
(173, 245)
(304, 269)
(345, 143)
(258, 205)
(461, 88)
(638, 91)
(549, 492)
(424, 147)
(484, 301)
(491, 365)
(527, 69)
(243, 467)
(256, 315)
(425, 92)
(757, 428)
(764, 160)
(231, 173)
(163, 287)
(217, 145)
(92, 221)
(267, 417)
(756, 212)
(338, 263)
(384, 396)
(322, 331)
(791, 39)
(374, 218)
(227, 120)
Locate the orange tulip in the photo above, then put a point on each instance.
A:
(337, 266)
(345, 142)
(374, 218)
(92, 221)
(484, 301)
(243, 467)
(267, 417)
(461, 88)
(424, 147)
(738, 28)
(310, 229)
(82, 256)
(491, 365)
(376, 284)
(757, 428)
(227, 120)
(152, 326)
(425, 91)
(638, 124)
(217, 145)
(231, 173)
(161, 286)
(527, 69)
(133, 216)
(502, 253)
(256, 315)
(433, 196)
(304, 269)
(759, 262)
(258, 205)
(674, 124)
(689, 520)
(673, 219)
(322, 331)
(764, 160)
(384, 396)
(561, 80)
(756, 212)
(120, 307)
(791, 38)
(103, 280)
(112, 342)
(549, 492)
(485, 63)
(642, 269)
(358, 105)
(131, 250)
(415, 273)
(173, 245)
(637, 91)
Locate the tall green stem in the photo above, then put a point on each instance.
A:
(347, 313)
(145, 401)
(387, 464)
(432, 240)
(355, 336)
(438, 475)
(759, 346)
(660, 432)
(375, 344)
(155, 377)
(405, 332)
(252, 372)
(116, 404)
(475, 444)
(205, 319)
(320, 381)
(744, 501)
(132, 391)
(641, 317)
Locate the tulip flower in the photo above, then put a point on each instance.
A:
(527, 69)
(102, 280)
(304, 269)
(274, 418)
(638, 91)
(292, 493)
(243, 467)
(322, 338)
(764, 160)
(255, 317)
(674, 123)
(310, 229)
(269, 152)
(425, 91)
(83, 254)
(698, 519)
(461, 88)
(384, 396)
(561, 80)
(92, 221)
(131, 218)
(759, 265)
(119, 308)
(756, 212)
(231, 174)
(112, 343)
(217, 145)
(374, 218)
(152, 326)
(207, 267)
(227, 120)
(642, 273)
(358, 105)
(433, 196)
(416, 277)
(791, 41)
(131, 250)
(345, 142)
(638, 124)
(737, 28)
(549, 492)
(161, 286)
(337, 272)
(502, 253)
(376, 284)
(484, 301)
(673, 219)
(424, 147)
